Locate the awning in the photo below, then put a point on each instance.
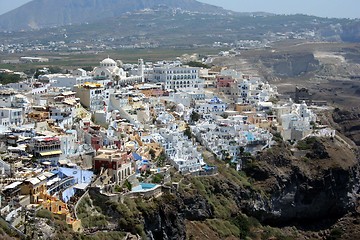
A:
(70, 101)
(71, 165)
(63, 162)
(48, 174)
(81, 186)
(12, 185)
(43, 154)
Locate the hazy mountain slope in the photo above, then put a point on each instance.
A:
(48, 13)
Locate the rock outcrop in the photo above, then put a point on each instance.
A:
(349, 123)
(305, 191)
(167, 221)
(313, 192)
(294, 65)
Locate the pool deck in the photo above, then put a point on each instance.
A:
(145, 187)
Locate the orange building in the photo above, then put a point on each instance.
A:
(36, 188)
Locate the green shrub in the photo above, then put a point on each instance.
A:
(242, 222)
(128, 185)
(223, 227)
(6, 78)
(118, 188)
(44, 213)
(197, 64)
(306, 144)
(157, 178)
(105, 235)
(94, 221)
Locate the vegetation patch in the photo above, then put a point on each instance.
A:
(306, 144)
(223, 227)
(44, 213)
(106, 235)
(6, 78)
(197, 64)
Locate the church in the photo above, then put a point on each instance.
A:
(112, 70)
(109, 69)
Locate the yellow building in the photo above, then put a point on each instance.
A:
(36, 188)
(56, 206)
(39, 116)
(244, 108)
(91, 95)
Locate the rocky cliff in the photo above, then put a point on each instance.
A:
(348, 122)
(310, 189)
(322, 184)
(291, 65)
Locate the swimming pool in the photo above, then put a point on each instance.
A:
(144, 187)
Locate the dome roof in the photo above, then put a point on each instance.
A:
(108, 61)
(180, 108)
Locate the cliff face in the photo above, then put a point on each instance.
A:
(305, 190)
(311, 189)
(294, 65)
(348, 123)
(168, 220)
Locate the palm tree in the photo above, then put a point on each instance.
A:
(117, 79)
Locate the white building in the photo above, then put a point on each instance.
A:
(188, 97)
(183, 154)
(5, 168)
(79, 72)
(224, 136)
(108, 69)
(252, 90)
(296, 120)
(92, 96)
(112, 70)
(178, 77)
(68, 142)
(66, 80)
(186, 158)
(214, 105)
(11, 116)
(7, 97)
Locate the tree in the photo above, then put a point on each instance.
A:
(6, 78)
(197, 64)
(87, 68)
(157, 178)
(187, 132)
(224, 115)
(313, 125)
(117, 79)
(195, 116)
(128, 185)
(160, 161)
(152, 153)
(53, 69)
(242, 150)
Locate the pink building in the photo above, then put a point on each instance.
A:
(224, 81)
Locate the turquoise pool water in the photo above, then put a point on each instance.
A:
(144, 187)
